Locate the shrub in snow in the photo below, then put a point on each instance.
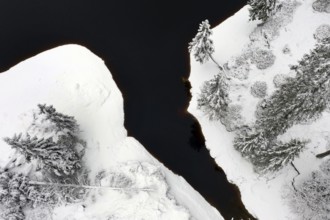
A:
(58, 154)
(15, 194)
(312, 197)
(300, 99)
(286, 49)
(261, 9)
(13, 188)
(322, 6)
(240, 66)
(322, 32)
(233, 118)
(259, 89)
(213, 100)
(279, 80)
(263, 59)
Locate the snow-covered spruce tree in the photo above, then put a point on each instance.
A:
(277, 156)
(61, 121)
(299, 99)
(261, 9)
(265, 155)
(251, 143)
(59, 159)
(58, 154)
(213, 100)
(202, 46)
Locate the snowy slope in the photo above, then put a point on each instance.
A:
(77, 83)
(238, 39)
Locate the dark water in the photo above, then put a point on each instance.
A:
(144, 43)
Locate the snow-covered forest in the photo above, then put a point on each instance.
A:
(263, 103)
(260, 85)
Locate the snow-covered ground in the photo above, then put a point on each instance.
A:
(77, 83)
(288, 36)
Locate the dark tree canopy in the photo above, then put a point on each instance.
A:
(299, 99)
(261, 9)
(213, 99)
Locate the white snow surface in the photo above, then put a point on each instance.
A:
(77, 83)
(264, 198)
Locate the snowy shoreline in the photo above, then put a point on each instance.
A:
(77, 83)
(264, 198)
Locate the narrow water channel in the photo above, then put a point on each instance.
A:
(144, 43)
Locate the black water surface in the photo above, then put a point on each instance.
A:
(144, 43)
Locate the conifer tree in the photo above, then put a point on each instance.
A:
(299, 99)
(265, 155)
(202, 45)
(213, 100)
(275, 157)
(261, 9)
(56, 158)
(250, 143)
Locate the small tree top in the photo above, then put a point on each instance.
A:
(201, 45)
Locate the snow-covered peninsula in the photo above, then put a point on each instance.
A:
(272, 83)
(121, 179)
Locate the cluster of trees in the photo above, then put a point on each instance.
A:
(267, 156)
(57, 158)
(58, 155)
(213, 99)
(298, 100)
